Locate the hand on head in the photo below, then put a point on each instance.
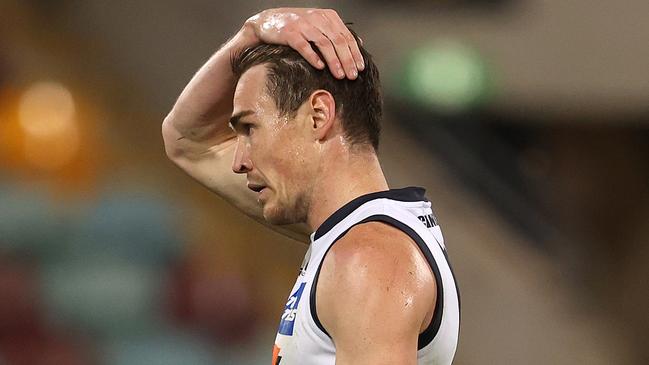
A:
(296, 27)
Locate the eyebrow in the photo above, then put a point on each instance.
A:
(235, 118)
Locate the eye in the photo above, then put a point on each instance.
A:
(247, 128)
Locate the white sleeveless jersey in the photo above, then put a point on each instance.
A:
(301, 338)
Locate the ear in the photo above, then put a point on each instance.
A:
(323, 112)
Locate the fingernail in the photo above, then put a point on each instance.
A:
(354, 73)
(360, 65)
(320, 64)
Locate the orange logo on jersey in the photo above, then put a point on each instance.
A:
(276, 357)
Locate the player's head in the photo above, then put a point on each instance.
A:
(286, 111)
(291, 80)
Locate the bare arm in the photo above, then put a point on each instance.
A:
(196, 132)
(197, 136)
(375, 295)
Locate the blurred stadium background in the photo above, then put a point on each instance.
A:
(526, 120)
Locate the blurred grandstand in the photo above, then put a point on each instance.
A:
(527, 122)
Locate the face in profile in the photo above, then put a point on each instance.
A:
(275, 152)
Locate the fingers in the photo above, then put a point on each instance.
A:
(297, 27)
(334, 41)
(302, 46)
(349, 37)
(343, 55)
(336, 31)
(326, 47)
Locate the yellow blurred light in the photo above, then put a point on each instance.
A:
(47, 110)
(47, 116)
(52, 154)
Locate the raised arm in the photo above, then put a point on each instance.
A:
(196, 133)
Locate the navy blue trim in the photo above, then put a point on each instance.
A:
(409, 194)
(457, 288)
(431, 331)
(314, 313)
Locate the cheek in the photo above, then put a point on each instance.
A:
(285, 155)
(296, 151)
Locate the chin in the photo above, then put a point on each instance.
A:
(278, 219)
(280, 216)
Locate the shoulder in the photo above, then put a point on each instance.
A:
(375, 271)
(374, 246)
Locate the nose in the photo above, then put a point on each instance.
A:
(241, 162)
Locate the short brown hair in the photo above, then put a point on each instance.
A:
(291, 80)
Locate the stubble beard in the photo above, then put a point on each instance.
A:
(283, 213)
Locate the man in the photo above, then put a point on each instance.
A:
(291, 104)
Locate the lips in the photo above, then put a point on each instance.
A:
(256, 187)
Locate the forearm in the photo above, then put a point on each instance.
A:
(196, 134)
(201, 113)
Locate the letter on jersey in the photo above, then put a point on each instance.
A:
(287, 322)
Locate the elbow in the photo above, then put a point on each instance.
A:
(170, 137)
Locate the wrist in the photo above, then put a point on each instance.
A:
(246, 36)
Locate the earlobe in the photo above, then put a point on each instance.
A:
(323, 108)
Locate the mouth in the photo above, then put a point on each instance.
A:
(257, 188)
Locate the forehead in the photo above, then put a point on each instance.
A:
(250, 92)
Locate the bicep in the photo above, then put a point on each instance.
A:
(373, 328)
(377, 350)
(373, 297)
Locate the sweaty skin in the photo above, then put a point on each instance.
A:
(310, 171)
(271, 151)
(196, 132)
(300, 170)
(387, 299)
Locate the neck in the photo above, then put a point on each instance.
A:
(342, 177)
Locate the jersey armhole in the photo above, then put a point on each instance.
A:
(431, 331)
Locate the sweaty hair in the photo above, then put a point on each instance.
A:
(290, 80)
